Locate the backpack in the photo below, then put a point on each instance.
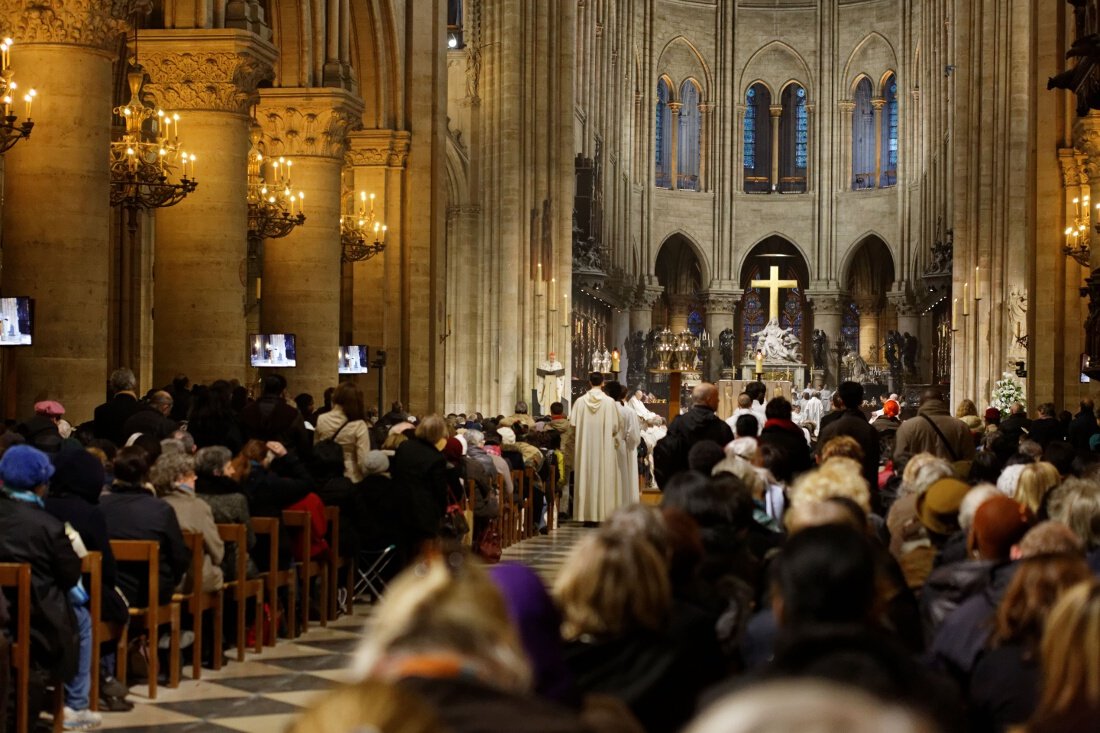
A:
(328, 448)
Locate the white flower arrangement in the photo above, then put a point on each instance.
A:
(1006, 391)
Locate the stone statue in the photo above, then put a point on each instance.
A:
(892, 350)
(910, 352)
(726, 340)
(778, 345)
(819, 339)
(857, 368)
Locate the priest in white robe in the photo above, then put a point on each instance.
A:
(596, 481)
(552, 374)
(630, 438)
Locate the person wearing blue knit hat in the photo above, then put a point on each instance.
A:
(29, 534)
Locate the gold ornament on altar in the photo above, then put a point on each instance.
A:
(10, 132)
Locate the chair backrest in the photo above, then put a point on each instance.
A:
(18, 577)
(332, 518)
(194, 543)
(141, 551)
(92, 566)
(268, 527)
(237, 534)
(300, 524)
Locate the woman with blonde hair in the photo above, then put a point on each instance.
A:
(967, 411)
(616, 600)
(1035, 482)
(370, 705)
(837, 476)
(1070, 652)
(442, 633)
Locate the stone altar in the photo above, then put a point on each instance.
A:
(729, 389)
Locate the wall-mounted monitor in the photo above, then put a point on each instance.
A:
(16, 321)
(354, 360)
(273, 350)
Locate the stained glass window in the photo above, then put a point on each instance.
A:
(794, 134)
(695, 323)
(801, 131)
(849, 327)
(750, 129)
(890, 132)
(753, 317)
(661, 152)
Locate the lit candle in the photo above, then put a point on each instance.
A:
(615, 360)
(966, 299)
(954, 313)
(372, 203)
(258, 281)
(553, 289)
(7, 105)
(759, 362)
(176, 125)
(301, 203)
(29, 99)
(383, 234)
(977, 283)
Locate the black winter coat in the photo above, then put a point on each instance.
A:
(132, 513)
(854, 424)
(789, 439)
(87, 519)
(670, 455)
(1081, 429)
(112, 415)
(148, 420)
(1045, 430)
(271, 418)
(32, 535)
(419, 469)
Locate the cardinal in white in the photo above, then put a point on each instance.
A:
(596, 484)
(553, 381)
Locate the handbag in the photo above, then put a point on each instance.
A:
(488, 545)
(454, 524)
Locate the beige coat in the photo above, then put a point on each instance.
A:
(194, 515)
(354, 439)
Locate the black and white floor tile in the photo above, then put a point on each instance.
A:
(264, 693)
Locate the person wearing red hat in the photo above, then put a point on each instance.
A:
(999, 525)
(887, 425)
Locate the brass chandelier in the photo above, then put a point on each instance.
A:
(273, 207)
(1078, 236)
(361, 236)
(11, 130)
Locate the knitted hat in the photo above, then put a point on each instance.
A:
(24, 467)
(49, 408)
(507, 436)
(938, 506)
(453, 450)
(891, 408)
(999, 524)
(80, 473)
(376, 462)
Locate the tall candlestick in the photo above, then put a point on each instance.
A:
(977, 283)
(966, 299)
(954, 313)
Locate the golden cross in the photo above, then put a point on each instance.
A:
(773, 284)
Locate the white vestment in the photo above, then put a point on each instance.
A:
(552, 383)
(596, 481)
(812, 410)
(629, 438)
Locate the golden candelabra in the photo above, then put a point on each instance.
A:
(11, 130)
(357, 230)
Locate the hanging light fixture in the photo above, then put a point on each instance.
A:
(1078, 236)
(274, 209)
(11, 130)
(148, 156)
(361, 236)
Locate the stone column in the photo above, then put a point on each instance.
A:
(704, 145)
(674, 144)
(201, 244)
(877, 104)
(847, 109)
(302, 271)
(641, 311)
(721, 307)
(828, 316)
(56, 213)
(870, 348)
(776, 112)
(679, 307)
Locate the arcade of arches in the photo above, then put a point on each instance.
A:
(553, 176)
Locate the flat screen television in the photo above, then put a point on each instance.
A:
(16, 321)
(273, 350)
(354, 360)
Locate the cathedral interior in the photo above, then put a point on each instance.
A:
(455, 189)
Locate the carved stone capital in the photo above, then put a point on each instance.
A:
(93, 23)
(846, 106)
(647, 296)
(722, 301)
(1072, 164)
(223, 76)
(877, 103)
(776, 110)
(378, 148)
(827, 304)
(903, 305)
(1086, 138)
(308, 121)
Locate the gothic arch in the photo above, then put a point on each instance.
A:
(682, 58)
(874, 248)
(693, 244)
(772, 236)
(374, 52)
(754, 82)
(873, 52)
(880, 89)
(794, 82)
(856, 82)
(776, 64)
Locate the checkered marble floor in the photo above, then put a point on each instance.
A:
(264, 693)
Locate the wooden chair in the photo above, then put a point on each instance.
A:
(276, 578)
(18, 577)
(552, 495)
(336, 563)
(300, 525)
(91, 565)
(530, 521)
(244, 587)
(508, 510)
(198, 601)
(153, 616)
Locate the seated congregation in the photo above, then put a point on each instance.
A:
(931, 574)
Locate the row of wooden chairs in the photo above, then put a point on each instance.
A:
(517, 514)
(17, 577)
